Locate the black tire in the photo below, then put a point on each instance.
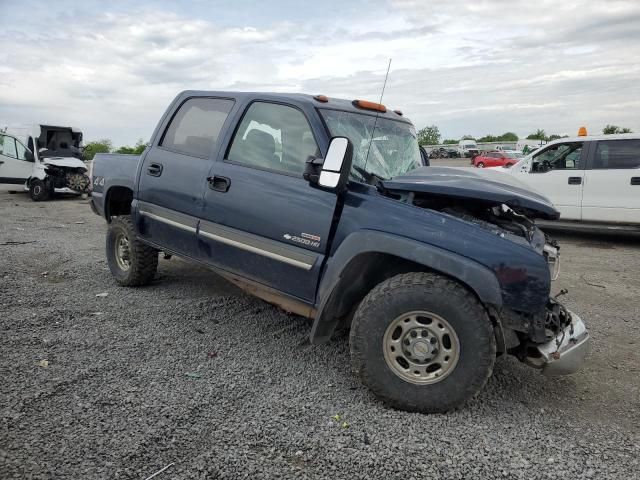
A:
(445, 298)
(480, 165)
(39, 191)
(142, 259)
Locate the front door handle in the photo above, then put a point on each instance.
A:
(219, 184)
(575, 180)
(635, 180)
(155, 169)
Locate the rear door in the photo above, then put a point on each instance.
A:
(14, 166)
(558, 173)
(612, 182)
(261, 219)
(174, 170)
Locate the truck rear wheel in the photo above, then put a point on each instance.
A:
(132, 262)
(422, 342)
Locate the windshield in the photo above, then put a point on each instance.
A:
(470, 145)
(394, 150)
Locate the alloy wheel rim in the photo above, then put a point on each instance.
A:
(421, 347)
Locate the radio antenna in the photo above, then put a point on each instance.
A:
(375, 122)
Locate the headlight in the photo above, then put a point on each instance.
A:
(553, 259)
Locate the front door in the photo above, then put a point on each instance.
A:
(261, 219)
(612, 183)
(173, 174)
(15, 168)
(558, 173)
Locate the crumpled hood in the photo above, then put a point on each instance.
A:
(70, 162)
(477, 184)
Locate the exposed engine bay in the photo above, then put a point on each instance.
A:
(522, 330)
(59, 177)
(61, 156)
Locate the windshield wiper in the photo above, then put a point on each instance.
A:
(369, 177)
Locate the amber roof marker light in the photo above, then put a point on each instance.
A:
(582, 132)
(367, 105)
(321, 98)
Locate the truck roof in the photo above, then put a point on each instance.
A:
(330, 103)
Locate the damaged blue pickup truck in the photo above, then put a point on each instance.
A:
(325, 208)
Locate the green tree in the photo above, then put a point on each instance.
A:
(137, 150)
(612, 129)
(429, 135)
(508, 137)
(98, 146)
(539, 135)
(450, 141)
(554, 136)
(488, 138)
(467, 137)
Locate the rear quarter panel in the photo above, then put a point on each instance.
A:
(112, 170)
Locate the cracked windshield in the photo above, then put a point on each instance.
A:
(394, 149)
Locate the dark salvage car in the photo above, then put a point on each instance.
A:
(324, 207)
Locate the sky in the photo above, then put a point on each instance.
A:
(469, 67)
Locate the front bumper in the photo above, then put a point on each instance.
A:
(564, 354)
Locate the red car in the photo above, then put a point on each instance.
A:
(496, 159)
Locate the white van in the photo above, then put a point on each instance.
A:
(46, 159)
(592, 180)
(468, 148)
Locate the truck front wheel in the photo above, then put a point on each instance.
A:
(132, 262)
(422, 343)
(39, 190)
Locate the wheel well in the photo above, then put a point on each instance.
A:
(118, 202)
(357, 279)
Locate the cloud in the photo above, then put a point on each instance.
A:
(469, 67)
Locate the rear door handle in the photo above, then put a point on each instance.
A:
(635, 180)
(155, 169)
(219, 184)
(575, 180)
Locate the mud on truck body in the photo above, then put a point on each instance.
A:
(46, 159)
(323, 207)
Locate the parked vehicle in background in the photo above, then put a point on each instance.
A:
(496, 159)
(506, 148)
(444, 152)
(594, 181)
(468, 148)
(45, 159)
(434, 269)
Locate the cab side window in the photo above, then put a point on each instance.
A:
(273, 137)
(195, 127)
(8, 146)
(563, 156)
(21, 152)
(617, 154)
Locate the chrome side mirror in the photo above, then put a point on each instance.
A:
(332, 172)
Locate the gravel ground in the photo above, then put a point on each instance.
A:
(193, 372)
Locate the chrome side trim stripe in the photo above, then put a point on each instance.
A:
(290, 254)
(173, 223)
(259, 251)
(282, 252)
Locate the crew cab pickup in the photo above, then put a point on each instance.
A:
(323, 207)
(594, 181)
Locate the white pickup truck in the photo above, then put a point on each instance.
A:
(594, 181)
